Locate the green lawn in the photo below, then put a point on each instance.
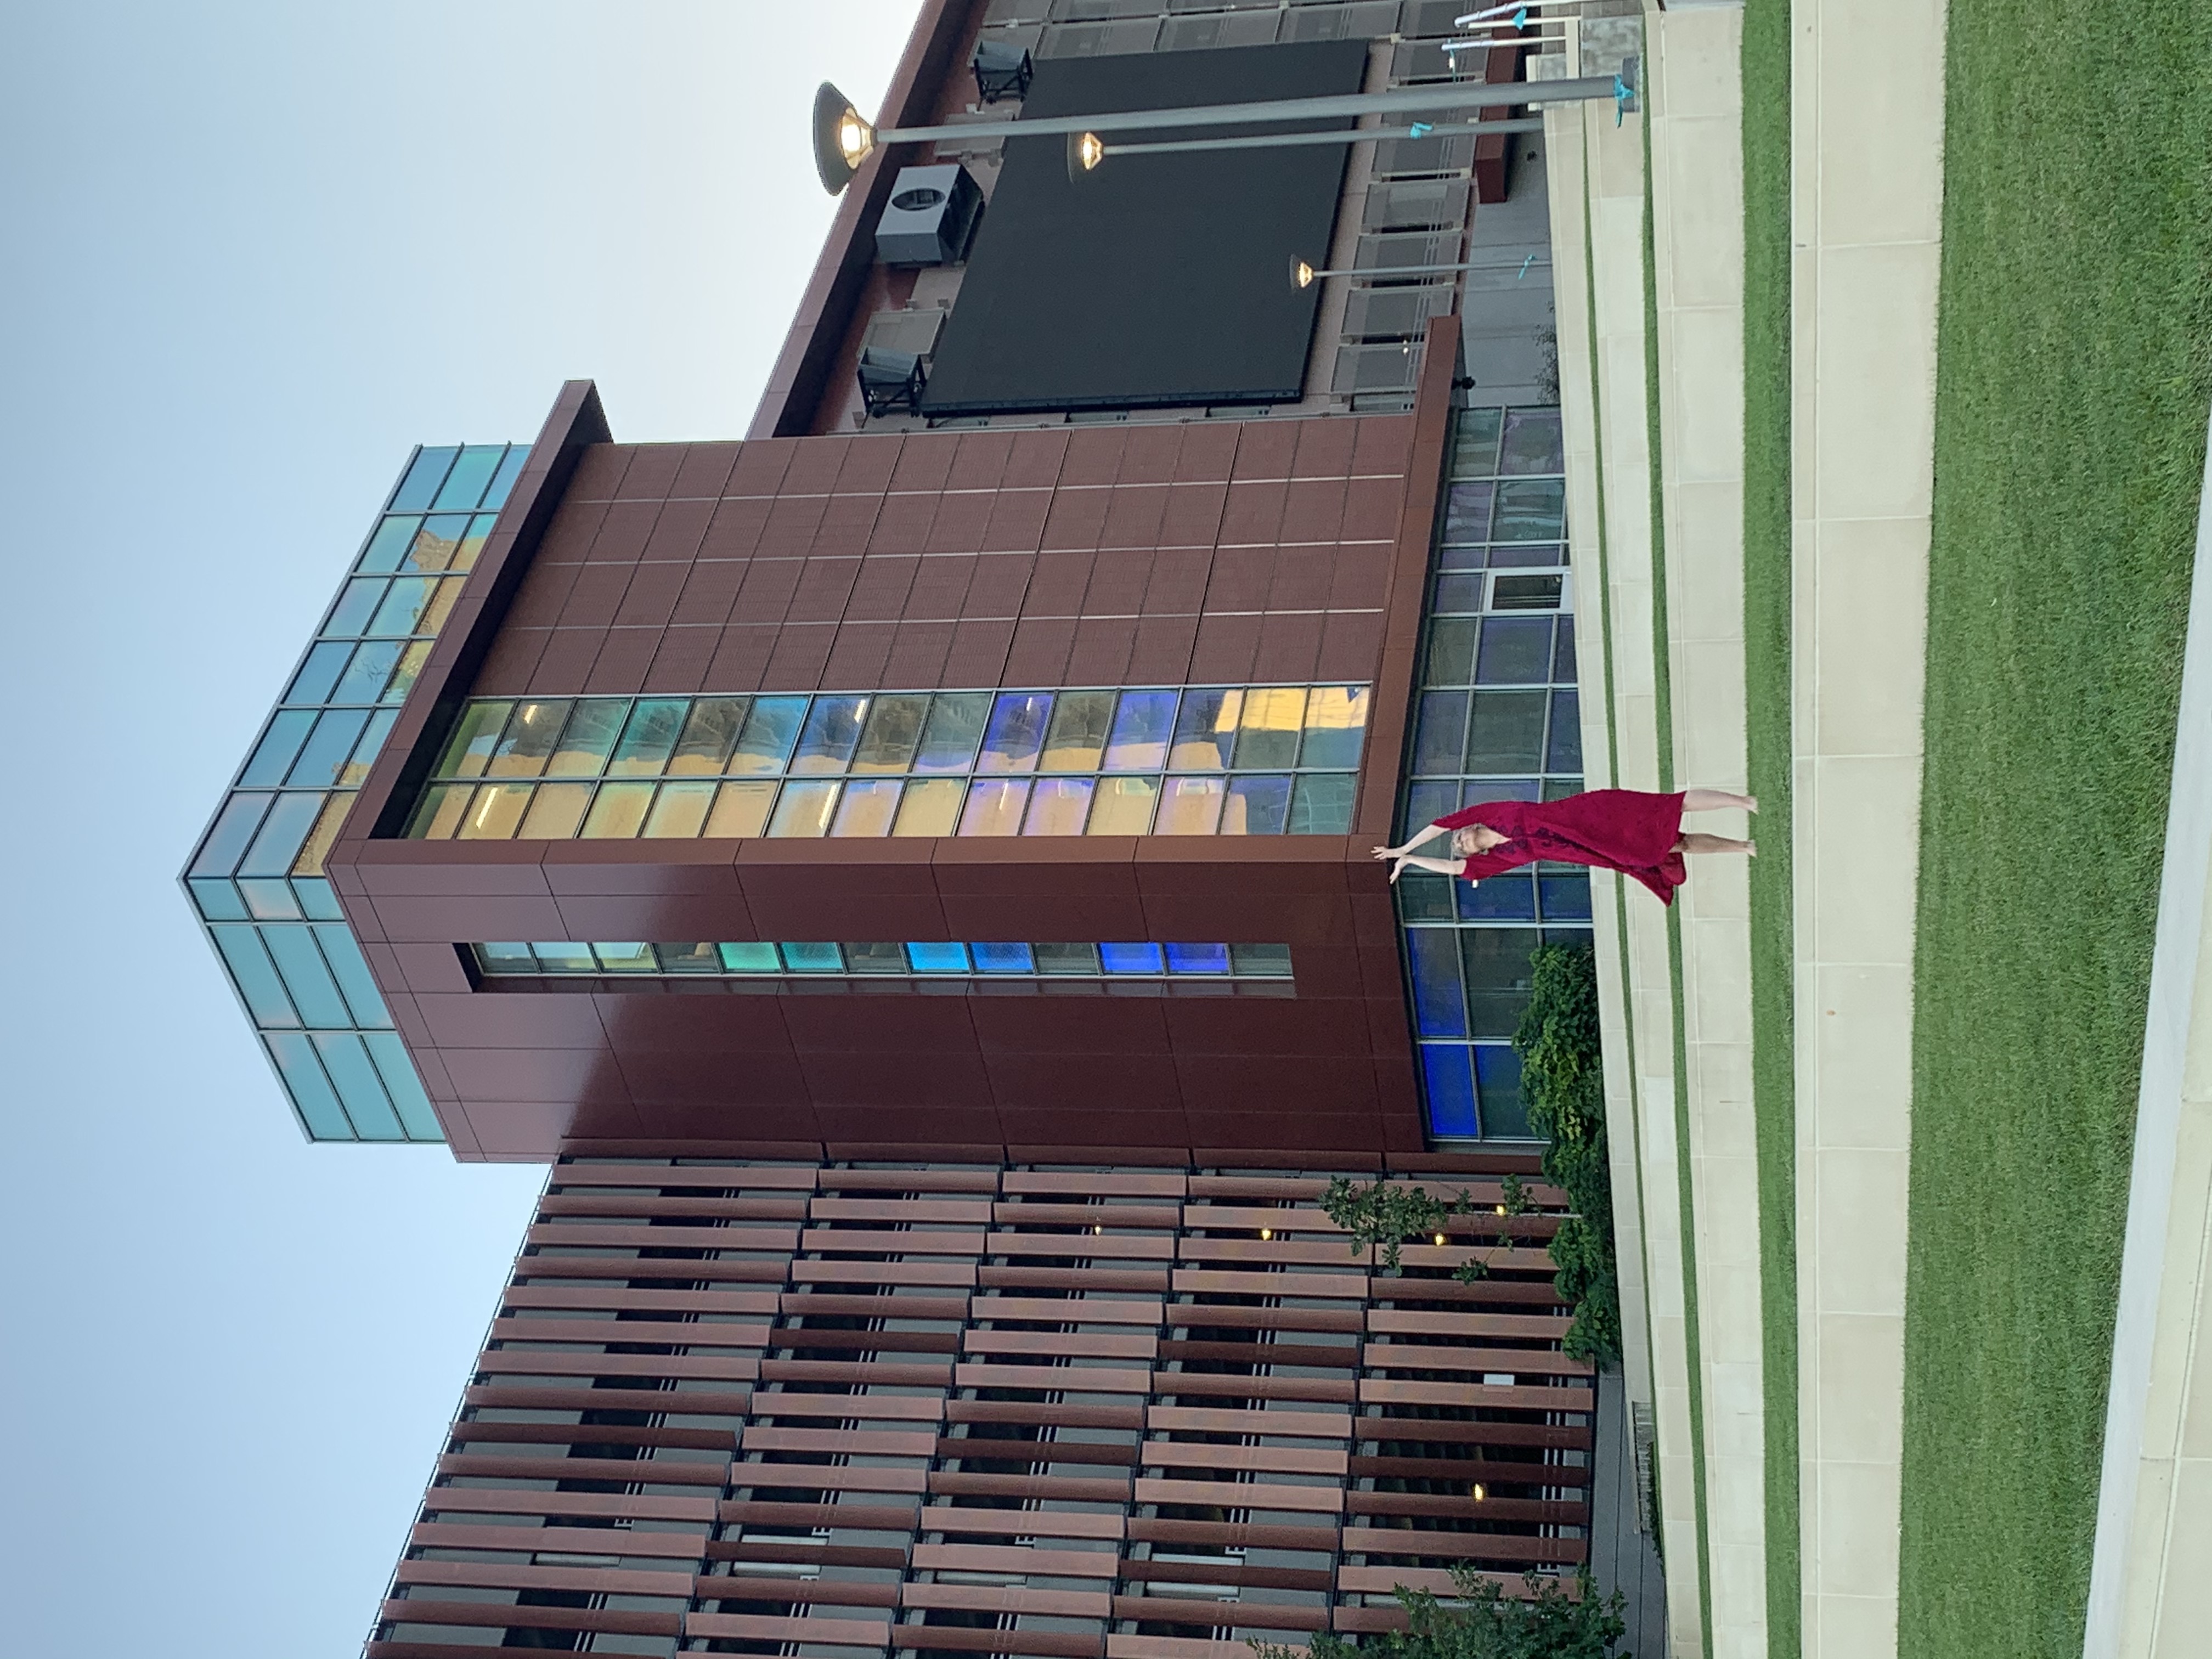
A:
(1767, 600)
(2075, 366)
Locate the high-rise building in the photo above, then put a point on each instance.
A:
(907, 872)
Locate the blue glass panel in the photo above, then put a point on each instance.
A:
(347, 967)
(464, 484)
(318, 673)
(1565, 752)
(813, 959)
(1502, 789)
(825, 742)
(270, 898)
(1257, 805)
(1497, 1076)
(1462, 558)
(955, 726)
(503, 481)
(273, 755)
(1142, 725)
(1439, 1010)
(1466, 513)
(356, 606)
(254, 974)
(1515, 651)
(319, 902)
(495, 957)
(748, 958)
(1510, 897)
(1016, 733)
(1132, 958)
(364, 678)
(1566, 897)
(405, 1087)
(1321, 804)
(1439, 733)
(314, 993)
(1450, 1083)
(359, 1087)
(1457, 594)
(1563, 658)
(1004, 959)
(328, 751)
(1427, 802)
(310, 1089)
(420, 486)
(937, 958)
(770, 730)
(1198, 958)
(279, 843)
(218, 901)
(388, 545)
(1530, 557)
(1204, 730)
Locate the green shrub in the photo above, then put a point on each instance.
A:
(1563, 1081)
(1550, 1625)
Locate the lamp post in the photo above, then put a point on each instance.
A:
(1304, 276)
(843, 138)
(1085, 151)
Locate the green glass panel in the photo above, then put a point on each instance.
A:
(402, 607)
(474, 735)
(710, 732)
(405, 1087)
(282, 832)
(1079, 959)
(877, 958)
(589, 739)
(314, 993)
(564, 958)
(472, 471)
(771, 728)
(649, 738)
(309, 1087)
(318, 900)
(1321, 803)
(503, 480)
(1530, 510)
(753, 957)
(218, 901)
(1076, 739)
(513, 958)
(370, 671)
(688, 958)
(356, 604)
(1505, 733)
(279, 745)
(1475, 443)
(892, 734)
(255, 975)
(813, 959)
(1533, 442)
(1495, 962)
(527, 742)
(1450, 659)
(954, 729)
(626, 957)
(360, 1089)
(342, 952)
(1260, 961)
(388, 544)
(420, 486)
(437, 542)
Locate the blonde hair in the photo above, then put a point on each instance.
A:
(1462, 839)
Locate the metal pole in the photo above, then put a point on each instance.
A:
(1343, 136)
(1411, 100)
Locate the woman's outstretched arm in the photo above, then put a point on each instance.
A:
(1440, 866)
(1429, 833)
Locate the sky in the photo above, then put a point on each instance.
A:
(249, 256)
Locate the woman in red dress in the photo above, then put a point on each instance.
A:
(1636, 834)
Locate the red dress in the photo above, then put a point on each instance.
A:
(1623, 829)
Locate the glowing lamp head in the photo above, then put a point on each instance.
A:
(1090, 149)
(1440, 1238)
(1302, 274)
(1267, 1232)
(1477, 1492)
(843, 138)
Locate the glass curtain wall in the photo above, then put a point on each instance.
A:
(1495, 718)
(256, 879)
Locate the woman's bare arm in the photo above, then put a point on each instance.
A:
(1428, 834)
(1440, 866)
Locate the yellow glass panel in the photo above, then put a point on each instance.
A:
(1058, 807)
(740, 811)
(994, 807)
(320, 839)
(409, 669)
(528, 740)
(473, 544)
(1123, 806)
(1077, 741)
(931, 806)
(1336, 718)
(804, 811)
(441, 605)
(1190, 806)
(430, 552)
(679, 811)
(440, 814)
(868, 808)
(495, 811)
(555, 810)
(618, 812)
(1267, 734)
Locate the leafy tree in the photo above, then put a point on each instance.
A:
(1563, 1081)
(1550, 1624)
(1383, 1215)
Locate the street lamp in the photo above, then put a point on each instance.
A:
(1085, 151)
(844, 138)
(1304, 276)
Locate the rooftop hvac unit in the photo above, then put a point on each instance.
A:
(930, 217)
